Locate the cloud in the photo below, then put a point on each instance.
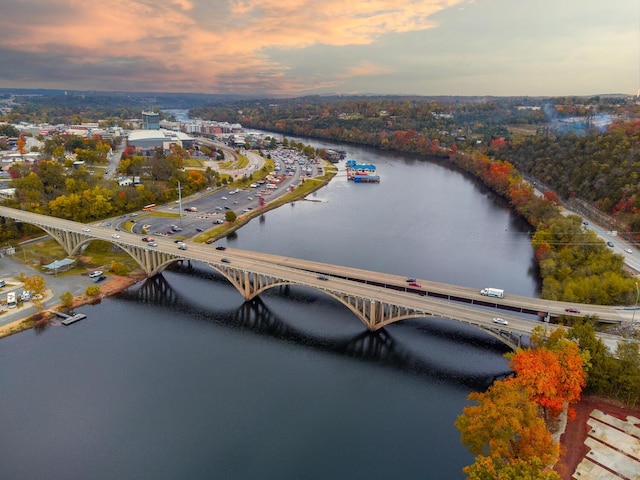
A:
(295, 47)
(219, 45)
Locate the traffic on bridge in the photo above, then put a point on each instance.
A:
(378, 299)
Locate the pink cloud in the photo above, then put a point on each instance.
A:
(199, 42)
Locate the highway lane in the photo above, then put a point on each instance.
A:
(614, 314)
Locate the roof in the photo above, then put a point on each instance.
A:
(59, 263)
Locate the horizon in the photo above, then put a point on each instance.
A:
(70, 91)
(264, 48)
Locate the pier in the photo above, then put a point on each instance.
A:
(69, 319)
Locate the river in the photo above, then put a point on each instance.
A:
(179, 378)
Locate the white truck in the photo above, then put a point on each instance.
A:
(492, 292)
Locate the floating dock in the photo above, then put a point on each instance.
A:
(73, 318)
(69, 319)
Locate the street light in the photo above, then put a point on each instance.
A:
(633, 316)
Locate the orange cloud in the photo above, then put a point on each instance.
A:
(204, 42)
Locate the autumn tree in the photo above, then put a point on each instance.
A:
(35, 284)
(505, 424)
(497, 468)
(553, 377)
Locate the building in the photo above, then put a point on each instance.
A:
(150, 121)
(152, 139)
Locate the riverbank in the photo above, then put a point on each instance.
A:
(113, 285)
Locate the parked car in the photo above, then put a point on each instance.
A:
(100, 278)
(95, 273)
(610, 244)
(499, 320)
(199, 229)
(572, 310)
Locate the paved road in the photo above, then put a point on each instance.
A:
(10, 269)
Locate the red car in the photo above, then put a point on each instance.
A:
(572, 310)
(415, 284)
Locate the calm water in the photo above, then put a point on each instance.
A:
(178, 378)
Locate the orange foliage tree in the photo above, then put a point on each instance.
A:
(496, 468)
(553, 373)
(505, 423)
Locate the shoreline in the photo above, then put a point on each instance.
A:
(112, 286)
(116, 283)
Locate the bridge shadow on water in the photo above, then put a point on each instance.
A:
(387, 348)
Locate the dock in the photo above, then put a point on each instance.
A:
(69, 319)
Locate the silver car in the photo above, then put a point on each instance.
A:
(499, 320)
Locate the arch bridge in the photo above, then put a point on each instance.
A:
(377, 299)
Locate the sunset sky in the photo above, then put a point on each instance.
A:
(302, 47)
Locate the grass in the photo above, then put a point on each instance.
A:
(98, 254)
(193, 163)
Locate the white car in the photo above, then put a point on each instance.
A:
(115, 235)
(86, 229)
(152, 244)
(499, 320)
(95, 274)
(224, 198)
(628, 250)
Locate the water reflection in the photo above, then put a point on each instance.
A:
(396, 347)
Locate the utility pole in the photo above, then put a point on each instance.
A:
(633, 316)
(180, 203)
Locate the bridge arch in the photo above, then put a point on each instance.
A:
(373, 314)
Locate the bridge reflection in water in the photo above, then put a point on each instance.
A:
(379, 347)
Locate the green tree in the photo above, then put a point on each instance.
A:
(628, 354)
(67, 299)
(92, 290)
(230, 216)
